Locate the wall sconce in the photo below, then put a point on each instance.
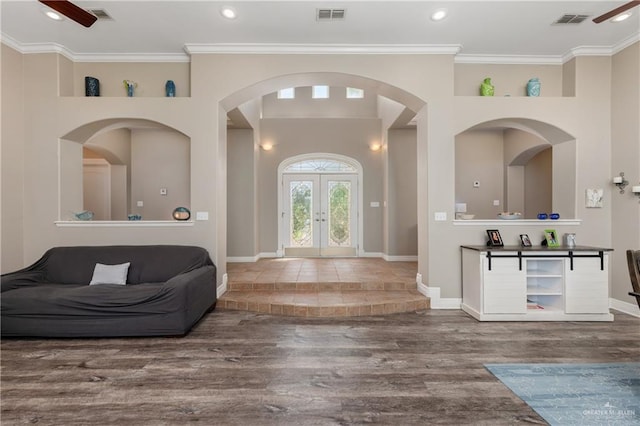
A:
(267, 146)
(375, 146)
(636, 191)
(621, 182)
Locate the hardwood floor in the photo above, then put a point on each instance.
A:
(242, 368)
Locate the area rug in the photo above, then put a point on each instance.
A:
(576, 394)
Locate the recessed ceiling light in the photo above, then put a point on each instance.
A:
(228, 12)
(439, 15)
(621, 17)
(52, 15)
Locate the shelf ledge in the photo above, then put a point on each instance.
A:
(516, 222)
(121, 223)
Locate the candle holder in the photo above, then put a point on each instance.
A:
(620, 182)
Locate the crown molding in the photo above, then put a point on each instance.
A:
(601, 51)
(322, 49)
(508, 59)
(34, 48)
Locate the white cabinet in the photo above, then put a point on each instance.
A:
(515, 284)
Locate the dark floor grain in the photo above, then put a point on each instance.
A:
(241, 368)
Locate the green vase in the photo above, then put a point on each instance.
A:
(486, 88)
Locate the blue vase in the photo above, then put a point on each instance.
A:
(554, 216)
(542, 216)
(170, 88)
(533, 87)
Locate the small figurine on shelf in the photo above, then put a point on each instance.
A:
(130, 86)
(533, 87)
(486, 88)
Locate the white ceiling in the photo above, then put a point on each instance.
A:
(522, 29)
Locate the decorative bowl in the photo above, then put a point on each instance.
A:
(465, 216)
(554, 216)
(542, 216)
(510, 215)
(84, 215)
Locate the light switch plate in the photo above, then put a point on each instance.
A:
(440, 216)
(202, 215)
(140, 204)
(375, 204)
(496, 202)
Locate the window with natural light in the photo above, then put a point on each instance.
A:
(288, 93)
(320, 92)
(353, 93)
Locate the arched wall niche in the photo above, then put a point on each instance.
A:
(245, 100)
(142, 168)
(515, 165)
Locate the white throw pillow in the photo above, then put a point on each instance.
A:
(110, 274)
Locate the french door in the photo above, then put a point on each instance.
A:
(320, 215)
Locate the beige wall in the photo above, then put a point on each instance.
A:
(150, 78)
(241, 208)
(538, 185)
(480, 157)
(291, 137)
(424, 82)
(12, 160)
(625, 136)
(508, 80)
(337, 105)
(402, 205)
(159, 159)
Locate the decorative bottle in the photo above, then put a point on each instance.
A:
(486, 88)
(170, 89)
(91, 86)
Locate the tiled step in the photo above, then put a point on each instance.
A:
(302, 286)
(319, 302)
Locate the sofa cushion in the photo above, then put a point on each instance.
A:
(110, 274)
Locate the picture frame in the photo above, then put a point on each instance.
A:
(525, 241)
(551, 236)
(495, 239)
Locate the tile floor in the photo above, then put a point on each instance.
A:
(316, 287)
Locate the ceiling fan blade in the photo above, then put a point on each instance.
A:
(71, 11)
(616, 11)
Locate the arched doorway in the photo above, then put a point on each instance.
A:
(320, 200)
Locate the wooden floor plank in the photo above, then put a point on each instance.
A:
(243, 368)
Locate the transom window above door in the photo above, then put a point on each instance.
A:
(320, 166)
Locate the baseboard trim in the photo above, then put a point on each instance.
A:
(248, 259)
(222, 289)
(626, 307)
(433, 293)
(400, 258)
(370, 254)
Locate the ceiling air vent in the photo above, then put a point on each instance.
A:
(330, 14)
(101, 14)
(571, 18)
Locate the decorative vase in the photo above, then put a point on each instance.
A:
(91, 86)
(181, 213)
(554, 216)
(486, 88)
(130, 86)
(542, 216)
(170, 88)
(533, 87)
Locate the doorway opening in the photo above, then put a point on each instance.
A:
(319, 204)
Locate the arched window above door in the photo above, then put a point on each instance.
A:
(320, 165)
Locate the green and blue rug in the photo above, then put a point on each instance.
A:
(576, 394)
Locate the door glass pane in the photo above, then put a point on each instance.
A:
(339, 213)
(301, 223)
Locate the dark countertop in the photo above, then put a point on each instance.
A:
(536, 248)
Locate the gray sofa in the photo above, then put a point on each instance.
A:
(168, 289)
